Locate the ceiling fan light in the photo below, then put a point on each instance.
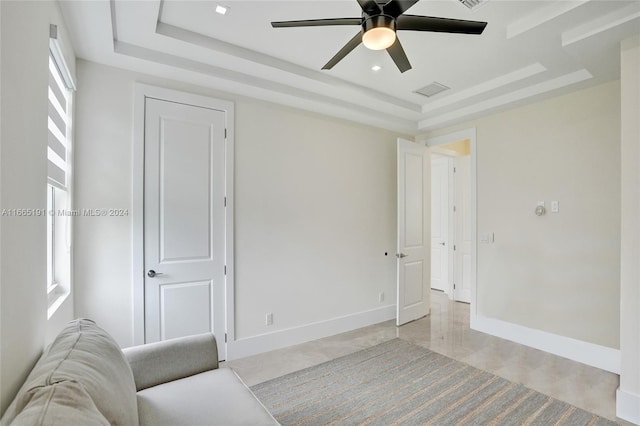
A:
(379, 38)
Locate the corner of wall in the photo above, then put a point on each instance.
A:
(628, 395)
(1, 387)
(628, 406)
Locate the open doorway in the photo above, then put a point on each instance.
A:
(453, 215)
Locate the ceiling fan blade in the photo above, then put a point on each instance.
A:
(317, 22)
(396, 8)
(443, 25)
(371, 7)
(399, 57)
(351, 44)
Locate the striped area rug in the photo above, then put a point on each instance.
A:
(398, 383)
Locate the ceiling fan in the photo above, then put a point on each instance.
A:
(380, 20)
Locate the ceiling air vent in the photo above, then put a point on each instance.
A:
(473, 4)
(432, 89)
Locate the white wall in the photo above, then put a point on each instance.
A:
(558, 273)
(103, 169)
(314, 209)
(23, 173)
(628, 398)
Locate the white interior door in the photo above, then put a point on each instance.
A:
(414, 241)
(184, 221)
(463, 232)
(440, 222)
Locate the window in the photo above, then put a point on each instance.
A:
(60, 95)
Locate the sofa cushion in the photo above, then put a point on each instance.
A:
(64, 403)
(86, 354)
(216, 397)
(159, 362)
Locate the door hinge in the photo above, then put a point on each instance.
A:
(454, 247)
(225, 269)
(454, 169)
(454, 287)
(225, 201)
(225, 133)
(225, 337)
(454, 208)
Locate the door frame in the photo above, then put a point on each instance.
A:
(455, 137)
(141, 93)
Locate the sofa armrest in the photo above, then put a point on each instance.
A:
(161, 362)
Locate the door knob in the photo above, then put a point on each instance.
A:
(401, 255)
(153, 273)
(441, 244)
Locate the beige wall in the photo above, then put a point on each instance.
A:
(558, 273)
(314, 209)
(315, 213)
(630, 264)
(24, 328)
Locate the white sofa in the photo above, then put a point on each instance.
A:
(83, 378)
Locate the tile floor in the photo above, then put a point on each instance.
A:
(447, 331)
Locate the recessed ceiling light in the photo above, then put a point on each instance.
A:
(376, 68)
(222, 10)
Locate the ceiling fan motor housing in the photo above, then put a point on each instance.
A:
(376, 21)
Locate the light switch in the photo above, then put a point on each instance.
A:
(555, 206)
(485, 238)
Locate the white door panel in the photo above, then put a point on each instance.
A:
(463, 232)
(438, 278)
(440, 223)
(413, 190)
(184, 222)
(185, 198)
(175, 298)
(414, 219)
(414, 294)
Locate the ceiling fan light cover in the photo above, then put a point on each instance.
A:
(379, 38)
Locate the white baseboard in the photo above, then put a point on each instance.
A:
(602, 357)
(628, 406)
(242, 348)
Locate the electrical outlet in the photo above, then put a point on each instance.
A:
(269, 319)
(381, 297)
(555, 206)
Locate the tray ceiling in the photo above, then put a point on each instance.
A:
(529, 50)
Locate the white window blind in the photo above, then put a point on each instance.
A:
(59, 126)
(59, 154)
